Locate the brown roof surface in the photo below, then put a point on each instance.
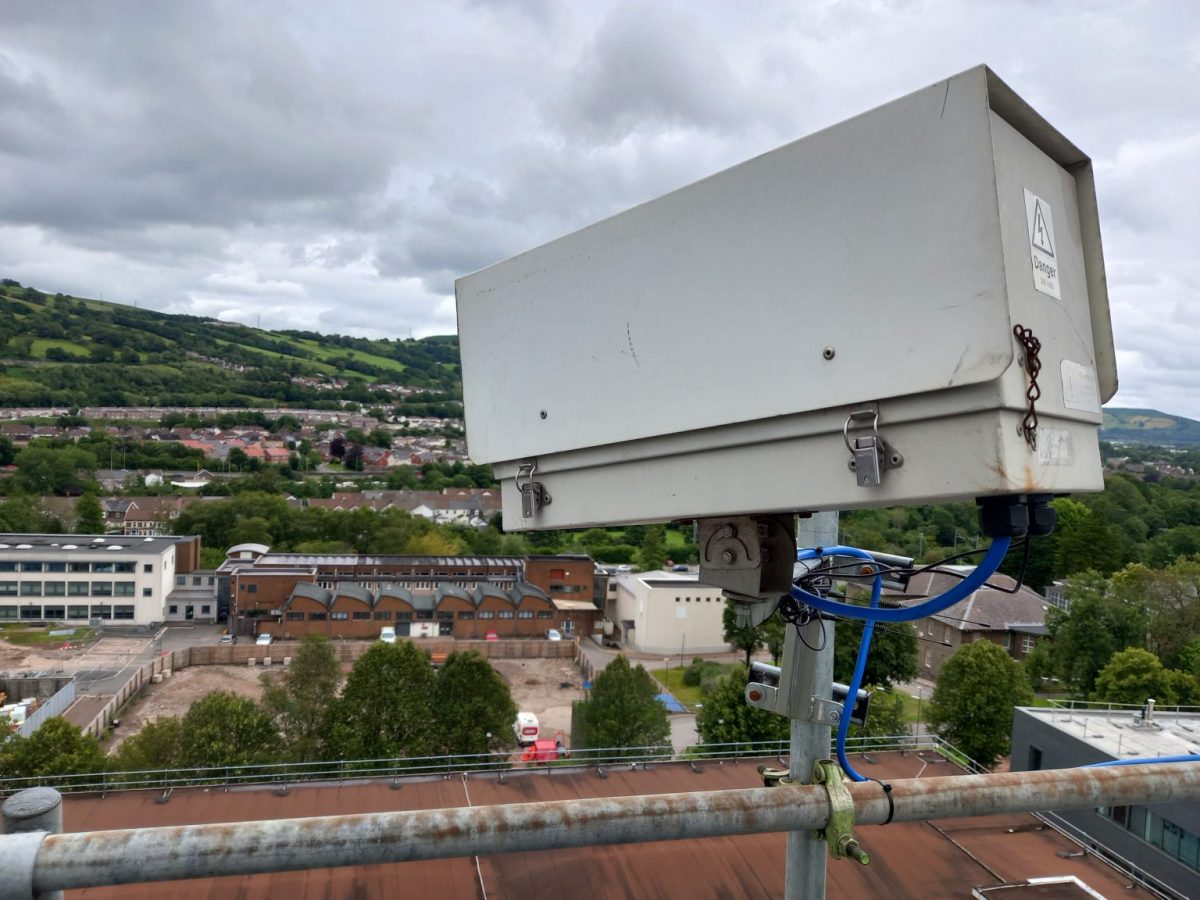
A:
(908, 860)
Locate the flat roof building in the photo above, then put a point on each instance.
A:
(111, 579)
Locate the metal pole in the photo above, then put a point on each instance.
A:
(31, 814)
(78, 860)
(809, 675)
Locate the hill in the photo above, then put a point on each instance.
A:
(1149, 426)
(57, 350)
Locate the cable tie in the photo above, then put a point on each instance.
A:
(887, 792)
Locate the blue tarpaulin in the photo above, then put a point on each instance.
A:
(671, 703)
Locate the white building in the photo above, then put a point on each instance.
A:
(667, 613)
(119, 580)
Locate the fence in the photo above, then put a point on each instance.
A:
(438, 766)
(55, 706)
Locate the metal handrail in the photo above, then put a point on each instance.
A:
(427, 766)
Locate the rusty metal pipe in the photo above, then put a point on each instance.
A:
(99, 858)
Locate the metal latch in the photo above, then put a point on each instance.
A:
(870, 456)
(839, 833)
(533, 493)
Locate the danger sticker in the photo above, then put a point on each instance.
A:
(1042, 248)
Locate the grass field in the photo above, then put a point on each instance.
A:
(689, 696)
(24, 636)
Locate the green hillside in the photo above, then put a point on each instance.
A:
(1149, 426)
(57, 350)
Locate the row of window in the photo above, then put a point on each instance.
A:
(205, 609)
(698, 599)
(386, 615)
(197, 580)
(70, 589)
(1176, 842)
(38, 565)
(52, 613)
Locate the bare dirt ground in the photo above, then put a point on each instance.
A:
(175, 695)
(537, 686)
(546, 688)
(105, 653)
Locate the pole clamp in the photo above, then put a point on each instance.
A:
(773, 777)
(839, 832)
(18, 854)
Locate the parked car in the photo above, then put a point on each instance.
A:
(264, 639)
(491, 636)
(387, 634)
(229, 639)
(553, 634)
(680, 568)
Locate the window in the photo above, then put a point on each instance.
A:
(102, 567)
(125, 567)
(525, 614)
(1027, 643)
(545, 614)
(147, 592)
(78, 589)
(148, 567)
(295, 616)
(31, 589)
(8, 566)
(252, 589)
(506, 614)
(56, 567)
(77, 612)
(8, 613)
(122, 612)
(8, 589)
(101, 612)
(404, 617)
(445, 616)
(316, 617)
(173, 609)
(54, 612)
(31, 612)
(180, 580)
(928, 659)
(487, 614)
(360, 616)
(424, 615)
(1035, 758)
(206, 609)
(123, 588)
(339, 616)
(197, 581)
(102, 589)
(211, 580)
(31, 566)
(54, 588)
(79, 567)
(465, 615)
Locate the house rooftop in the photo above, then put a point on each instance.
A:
(1118, 732)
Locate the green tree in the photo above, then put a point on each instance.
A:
(56, 748)
(223, 729)
(972, 705)
(471, 701)
(7, 453)
(157, 746)
(892, 658)
(1135, 676)
(386, 708)
(653, 552)
(89, 517)
(743, 637)
(54, 470)
(623, 710)
(301, 702)
(1098, 624)
(1171, 597)
(726, 717)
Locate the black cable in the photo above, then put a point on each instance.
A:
(881, 569)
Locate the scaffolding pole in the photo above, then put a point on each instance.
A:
(100, 858)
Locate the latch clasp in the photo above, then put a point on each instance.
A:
(533, 493)
(870, 456)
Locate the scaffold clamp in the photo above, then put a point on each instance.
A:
(839, 831)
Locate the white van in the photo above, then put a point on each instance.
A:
(387, 634)
(526, 728)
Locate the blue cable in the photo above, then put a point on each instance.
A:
(961, 591)
(860, 666)
(1141, 761)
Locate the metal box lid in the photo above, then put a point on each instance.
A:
(886, 256)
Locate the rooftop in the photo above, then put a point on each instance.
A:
(908, 859)
(24, 544)
(1173, 731)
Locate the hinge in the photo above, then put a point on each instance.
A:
(533, 493)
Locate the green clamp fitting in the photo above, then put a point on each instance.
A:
(773, 777)
(839, 832)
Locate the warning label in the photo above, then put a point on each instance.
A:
(1040, 219)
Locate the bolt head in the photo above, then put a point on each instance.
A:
(728, 556)
(829, 353)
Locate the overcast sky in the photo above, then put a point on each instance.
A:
(334, 166)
